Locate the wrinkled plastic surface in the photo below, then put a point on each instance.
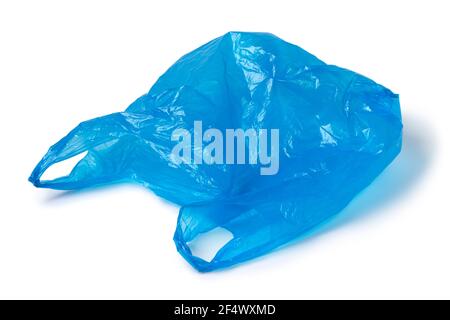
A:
(338, 131)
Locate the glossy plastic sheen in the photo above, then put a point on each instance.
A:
(338, 130)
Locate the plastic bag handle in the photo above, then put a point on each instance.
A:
(201, 218)
(198, 263)
(84, 137)
(193, 220)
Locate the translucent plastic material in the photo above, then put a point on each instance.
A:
(337, 131)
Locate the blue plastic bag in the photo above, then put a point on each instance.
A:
(336, 131)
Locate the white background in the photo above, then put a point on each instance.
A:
(62, 62)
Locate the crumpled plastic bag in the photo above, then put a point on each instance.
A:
(337, 131)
